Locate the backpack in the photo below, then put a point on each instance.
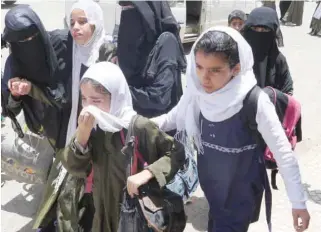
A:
(153, 209)
(288, 110)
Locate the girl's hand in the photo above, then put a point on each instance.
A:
(19, 87)
(85, 125)
(301, 219)
(135, 181)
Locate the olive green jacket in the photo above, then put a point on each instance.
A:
(163, 154)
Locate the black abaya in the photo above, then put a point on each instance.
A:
(284, 6)
(150, 54)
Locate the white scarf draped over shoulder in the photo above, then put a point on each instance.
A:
(216, 106)
(86, 55)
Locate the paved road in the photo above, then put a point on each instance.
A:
(18, 200)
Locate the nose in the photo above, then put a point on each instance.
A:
(76, 26)
(205, 75)
(90, 102)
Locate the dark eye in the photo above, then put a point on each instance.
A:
(82, 21)
(214, 70)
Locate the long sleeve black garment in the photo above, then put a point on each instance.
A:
(162, 76)
(282, 79)
(42, 108)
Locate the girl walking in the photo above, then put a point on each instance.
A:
(231, 169)
(106, 100)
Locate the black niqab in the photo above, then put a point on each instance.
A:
(139, 30)
(264, 46)
(33, 59)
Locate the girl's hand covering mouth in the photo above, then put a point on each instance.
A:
(86, 123)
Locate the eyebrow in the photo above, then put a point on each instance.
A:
(80, 17)
(209, 68)
(95, 98)
(92, 97)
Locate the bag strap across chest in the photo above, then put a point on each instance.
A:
(130, 139)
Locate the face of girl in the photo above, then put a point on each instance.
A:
(81, 30)
(213, 71)
(90, 96)
(237, 24)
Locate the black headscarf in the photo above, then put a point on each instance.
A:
(264, 46)
(138, 32)
(33, 59)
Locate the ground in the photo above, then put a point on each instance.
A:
(18, 200)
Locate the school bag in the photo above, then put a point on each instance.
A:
(288, 110)
(154, 209)
(186, 181)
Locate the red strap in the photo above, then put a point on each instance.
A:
(122, 137)
(89, 182)
(137, 154)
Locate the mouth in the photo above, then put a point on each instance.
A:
(76, 35)
(206, 87)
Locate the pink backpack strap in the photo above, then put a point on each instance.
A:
(122, 137)
(291, 116)
(89, 182)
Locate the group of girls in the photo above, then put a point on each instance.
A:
(90, 103)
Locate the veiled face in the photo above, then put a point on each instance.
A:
(80, 28)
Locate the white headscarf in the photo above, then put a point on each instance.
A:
(121, 111)
(219, 105)
(84, 54)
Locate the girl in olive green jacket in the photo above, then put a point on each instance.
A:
(107, 110)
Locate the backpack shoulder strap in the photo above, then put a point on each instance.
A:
(132, 140)
(249, 110)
